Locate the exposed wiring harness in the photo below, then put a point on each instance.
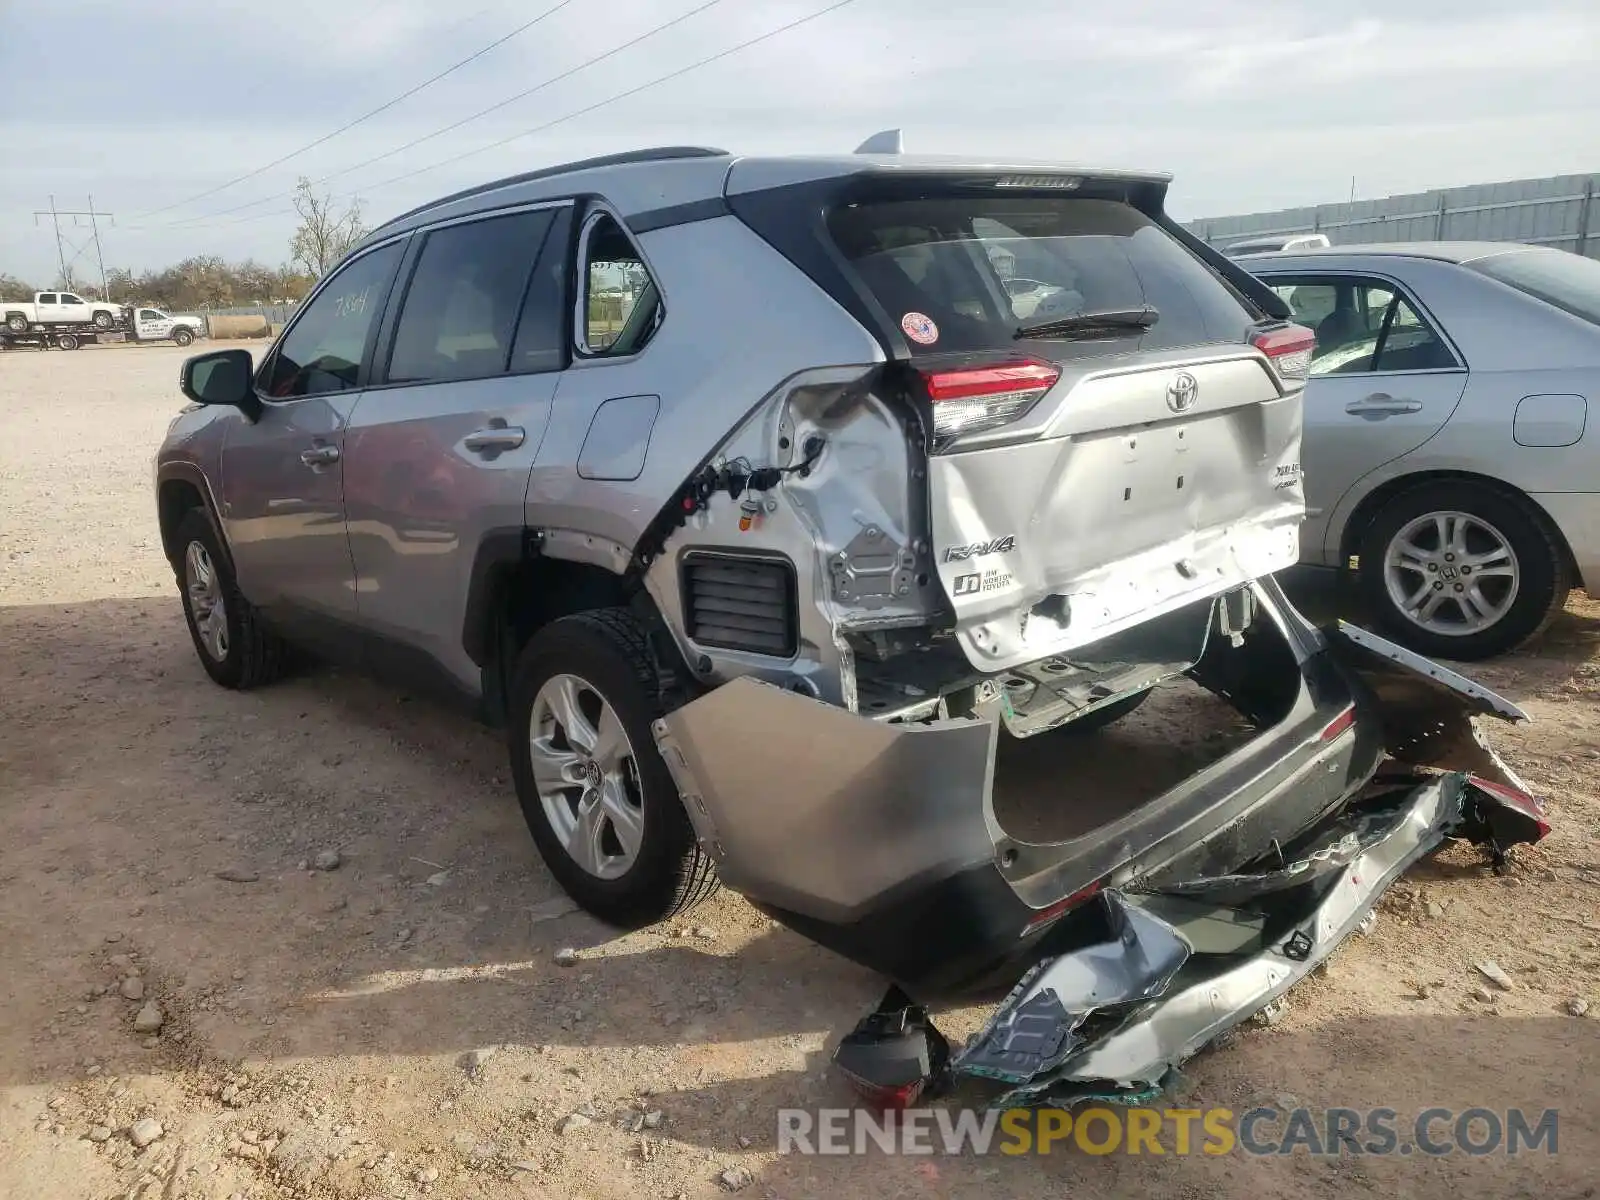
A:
(738, 477)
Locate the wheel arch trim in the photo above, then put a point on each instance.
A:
(183, 472)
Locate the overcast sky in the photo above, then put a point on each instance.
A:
(1251, 106)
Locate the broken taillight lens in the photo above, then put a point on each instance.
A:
(973, 399)
(1514, 798)
(1289, 347)
(894, 1056)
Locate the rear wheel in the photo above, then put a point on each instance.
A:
(103, 320)
(67, 341)
(17, 323)
(1461, 570)
(598, 798)
(235, 648)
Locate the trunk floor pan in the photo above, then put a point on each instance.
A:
(1179, 731)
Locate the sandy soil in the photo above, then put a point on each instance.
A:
(316, 1021)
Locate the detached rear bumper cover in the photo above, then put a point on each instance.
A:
(1181, 970)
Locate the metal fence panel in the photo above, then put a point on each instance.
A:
(1559, 211)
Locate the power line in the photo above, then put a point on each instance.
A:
(634, 91)
(63, 243)
(523, 95)
(473, 57)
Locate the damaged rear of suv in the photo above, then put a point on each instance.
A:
(785, 539)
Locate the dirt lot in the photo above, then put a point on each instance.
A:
(316, 1022)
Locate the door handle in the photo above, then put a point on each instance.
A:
(1381, 404)
(320, 456)
(499, 437)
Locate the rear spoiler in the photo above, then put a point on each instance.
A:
(1236, 276)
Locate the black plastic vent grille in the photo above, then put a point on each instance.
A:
(738, 603)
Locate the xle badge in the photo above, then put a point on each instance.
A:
(1000, 545)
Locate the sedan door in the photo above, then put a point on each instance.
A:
(438, 454)
(283, 475)
(1384, 379)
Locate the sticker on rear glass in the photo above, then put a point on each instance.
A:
(920, 328)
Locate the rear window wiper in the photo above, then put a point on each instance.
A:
(1091, 324)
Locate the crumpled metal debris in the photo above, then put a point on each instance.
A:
(1114, 1019)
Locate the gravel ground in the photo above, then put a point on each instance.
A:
(193, 1008)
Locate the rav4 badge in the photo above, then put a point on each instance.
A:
(1000, 545)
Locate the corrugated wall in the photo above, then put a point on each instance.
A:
(1560, 211)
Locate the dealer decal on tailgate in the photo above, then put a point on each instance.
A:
(991, 580)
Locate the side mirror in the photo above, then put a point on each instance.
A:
(222, 377)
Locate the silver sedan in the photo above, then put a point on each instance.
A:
(1447, 457)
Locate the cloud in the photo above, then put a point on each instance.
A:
(1251, 107)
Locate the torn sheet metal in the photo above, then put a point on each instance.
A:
(1036, 1027)
(1428, 711)
(1187, 1004)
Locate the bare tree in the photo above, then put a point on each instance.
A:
(325, 233)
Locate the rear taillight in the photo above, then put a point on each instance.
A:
(972, 399)
(1289, 348)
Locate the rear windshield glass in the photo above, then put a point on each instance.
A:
(965, 273)
(1557, 277)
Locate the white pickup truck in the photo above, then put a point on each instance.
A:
(58, 308)
(153, 325)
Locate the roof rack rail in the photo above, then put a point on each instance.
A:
(888, 141)
(655, 154)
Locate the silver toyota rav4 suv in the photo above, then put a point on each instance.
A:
(737, 491)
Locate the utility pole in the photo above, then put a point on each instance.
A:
(63, 243)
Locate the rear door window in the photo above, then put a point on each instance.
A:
(970, 273)
(1363, 326)
(461, 307)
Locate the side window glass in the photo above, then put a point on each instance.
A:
(322, 352)
(69, 298)
(541, 341)
(621, 305)
(1410, 344)
(1362, 326)
(47, 297)
(149, 314)
(461, 306)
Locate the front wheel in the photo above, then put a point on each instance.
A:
(599, 801)
(103, 320)
(235, 648)
(1461, 570)
(182, 336)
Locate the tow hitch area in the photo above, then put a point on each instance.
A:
(1157, 976)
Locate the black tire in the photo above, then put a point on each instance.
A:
(67, 341)
(182, 336)
(17, 323)
(1544, 576)
(254, 656)
(608, 649)
(103, 320)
